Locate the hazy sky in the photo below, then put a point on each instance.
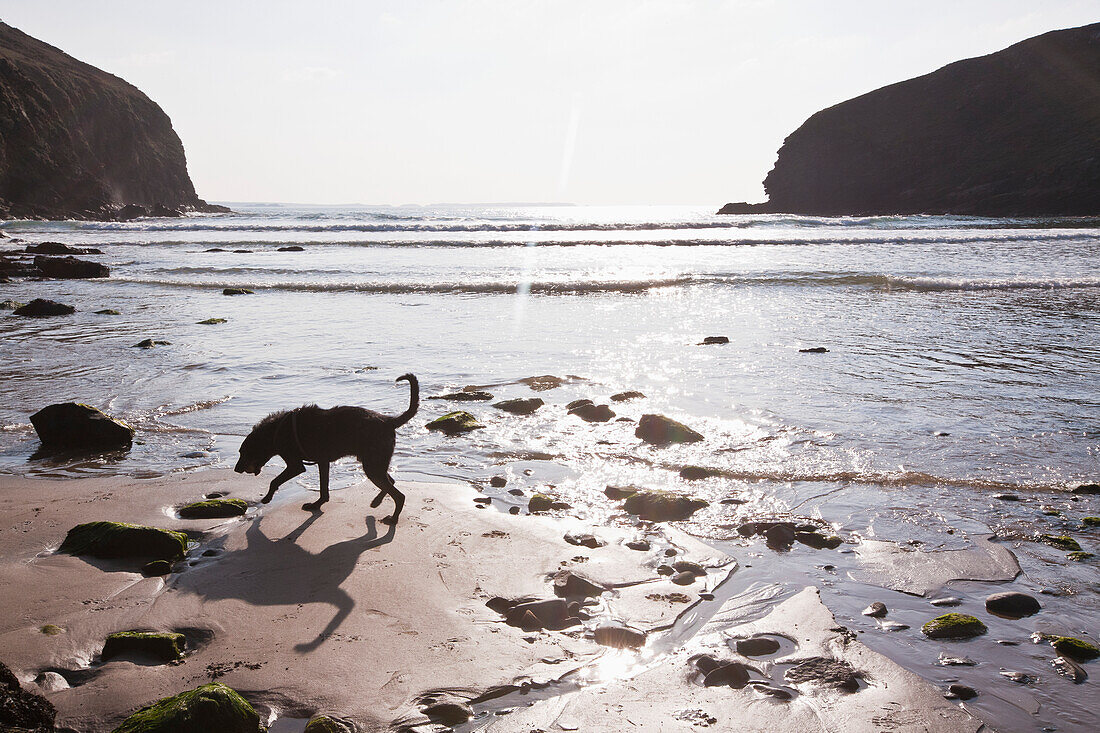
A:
(595, 101)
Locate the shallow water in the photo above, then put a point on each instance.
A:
(961, 362)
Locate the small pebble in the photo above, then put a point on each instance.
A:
(515, 492)
(961, 692)
(947, 601)
(513, 510)
(875, 610)
(1007, 497)
(498, 482)
(670, 552)
(683, 578)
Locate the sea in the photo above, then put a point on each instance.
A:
(960, 362)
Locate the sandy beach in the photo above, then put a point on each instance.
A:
(334, 613)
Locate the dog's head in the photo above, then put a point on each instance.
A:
(259, 447)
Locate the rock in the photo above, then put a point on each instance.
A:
(1090, 521)
(242, 251)
(1012, 604)
(1080, 556)
(57, 248)
(661, 430)
(578, 403)
(1017, 677)
(946, 601)
(780, 536)
(1069, 668)
(41, 307)
(946, 660)
(626, 396)
(449, 713)
(165, 211)
(51, 630)
(214, 249)
(515, 492)
(150, 343)
(661, 506)
(1050, 511)
(683, 578)
(212, 707)
(639, 545)
(554, 614)
(729, 674)
(825, 672)
(292, 248)
(10, 305)
(961, 692)
(520, 406)
(542, 383)
(776, 693)
(454, 423)
(108, 312)
(118, 540)
(129, 212)
(568, 584)
(214, 509)
(237, 291)
(953, 626)
(1062, 542)
(593, 413)
(212, 321)
(875, 610)
(1087, 489)
(814, 350)
(665, 570)
(52, 682)
(1007, 497)
(584, 540)
(498, 482)
(1074, 648)
(893, 626)
(946, 143)
(327, 724)
(695, 473)
(156, 568)
(619, 637)
(618, 493)
(22, 711)
(818, 541)
(165, 647)
(474, 396)
(758, 646)
(76, 426)
(687, 566)
(539, 503)
(70, 268)
(712, 340)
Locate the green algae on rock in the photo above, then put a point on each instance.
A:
(214, 509)
(540, 503)
(1062, 542)
(662, 506)
(166, 646)
(108, 312)
(1090, 521)
(1080, 556)
(953, 626)
(237, 291)
(1074, 648)
(121, 540)
(327, 724)
(150, 343)
(212, 321)
(455, 422)
(212, 707)
(51, 630)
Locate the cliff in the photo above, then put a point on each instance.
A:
(1014, 133)
(77, 142)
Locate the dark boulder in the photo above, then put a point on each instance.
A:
(660, 506)
(520, 406)
(237, 291)
(129, 212)
(568, 584)
(1087, 489)
(961, 692)
(661, 430)
(639, 545)
(814, 350)
(758, 646)
(449, 713)
(163, 211)
(212, 707)
(695, 473)
(728, 674)
(40, 307)
(113, 540)
(214, 509)
(590, 541)
(76, 426)
(472, 396)
(22, 711)
(875, 610)
(578, 403)
(713, 340)
(592, 413)
(292, 248)
(779, 536)
(1012, 604)
(818, 541)
(626, 396)
(498, 482)
(57, 248)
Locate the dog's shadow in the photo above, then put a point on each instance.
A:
(281, 573)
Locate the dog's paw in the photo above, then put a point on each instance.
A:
(390, 520)
(313, 506)
(376, 501)
(266, 499)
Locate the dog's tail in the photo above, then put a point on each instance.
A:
(414, 400)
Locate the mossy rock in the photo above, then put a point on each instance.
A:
(662, 506)
(120, 540)
(212, 321)
(212, 707)
(156, 568)
(214, 509)
(1073, 648)
(454, 423)
(165, 646)
(237, 291)
(52, 630)
(326, 724)
(1062, 542)
(108, 312)
(661, 430)
(540, 503)
(10, 305)
(954, 626)
(1090, 521)
(1080, 556)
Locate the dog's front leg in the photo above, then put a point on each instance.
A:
(322, 471)
(291, 470)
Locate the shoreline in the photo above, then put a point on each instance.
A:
(322, 613)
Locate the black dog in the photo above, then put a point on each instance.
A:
(311, 434)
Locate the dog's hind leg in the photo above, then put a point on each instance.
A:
(322, 471)
(293, 468)
(384, 481)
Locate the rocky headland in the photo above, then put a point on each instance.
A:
(79, 143)
(1014, 133)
